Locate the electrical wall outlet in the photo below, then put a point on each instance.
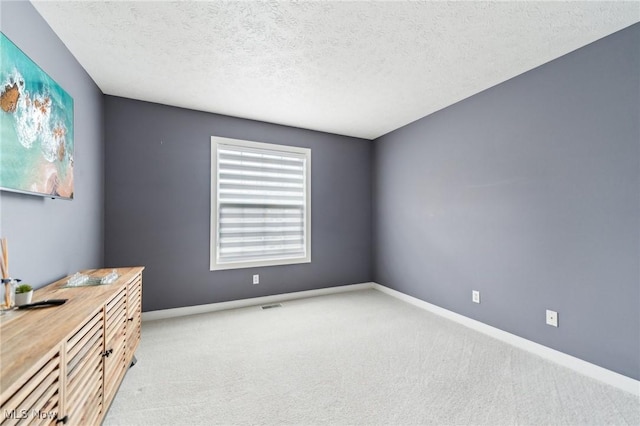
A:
(475, 296)
(552, 318)
(256, 279)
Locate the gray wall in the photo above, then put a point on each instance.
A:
(530, 193)
(157, 205)
(49, 239)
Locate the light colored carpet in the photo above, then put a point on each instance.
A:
(352, 358)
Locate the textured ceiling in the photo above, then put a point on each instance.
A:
(354, 68)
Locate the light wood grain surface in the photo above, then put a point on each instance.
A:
(27, 337)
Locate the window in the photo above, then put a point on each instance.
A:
(260, 204)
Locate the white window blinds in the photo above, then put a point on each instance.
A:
(262, 204)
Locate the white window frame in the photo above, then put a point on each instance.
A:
(215, 263)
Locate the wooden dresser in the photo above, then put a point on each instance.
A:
(64, 364)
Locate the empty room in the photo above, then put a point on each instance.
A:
(320, 212)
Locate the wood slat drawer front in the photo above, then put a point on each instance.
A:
(90, 343)
(93, 355)
(117, 301)
(116, 326)
(84, 370)
(114, 315)
(115, 343)
(84, 350)
(90, 372)
(135, 302)
(42, 390)
(134, 314)
(82, 333)
(135, 288)
(48, 399)
(87, 404)
(133, 339)
(118, 321)
(82, 399)
(115, 366)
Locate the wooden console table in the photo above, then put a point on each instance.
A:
(64, 364)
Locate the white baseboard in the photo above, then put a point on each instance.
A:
(243, 303)
(609, 377)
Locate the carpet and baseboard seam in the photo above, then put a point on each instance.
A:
(578, 365)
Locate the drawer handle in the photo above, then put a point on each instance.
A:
(63, 420)
(130, 319)
(107, 353)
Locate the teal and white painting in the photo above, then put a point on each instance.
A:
(36, 128)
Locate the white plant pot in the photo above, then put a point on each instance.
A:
(23, 298)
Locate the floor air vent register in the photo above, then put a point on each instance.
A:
(275, 305)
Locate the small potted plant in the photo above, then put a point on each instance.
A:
(24, 292)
